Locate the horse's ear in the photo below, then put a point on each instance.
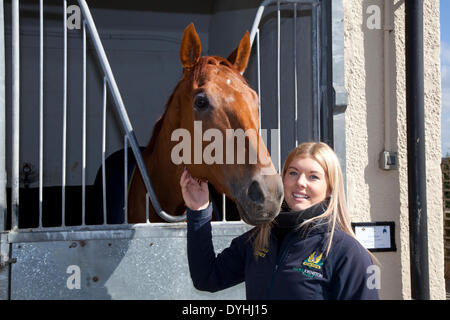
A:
(191, 47)
(239, 57)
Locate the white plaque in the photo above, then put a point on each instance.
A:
(374, 236)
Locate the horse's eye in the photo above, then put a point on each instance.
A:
(201, 101)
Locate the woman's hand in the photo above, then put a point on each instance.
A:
(195, 195)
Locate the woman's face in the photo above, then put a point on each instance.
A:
(305, 183)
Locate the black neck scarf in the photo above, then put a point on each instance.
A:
(288, 220)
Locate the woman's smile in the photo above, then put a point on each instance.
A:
(298, 196)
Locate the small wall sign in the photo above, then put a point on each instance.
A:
(376, 236)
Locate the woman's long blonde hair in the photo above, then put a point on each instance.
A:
(336, 213)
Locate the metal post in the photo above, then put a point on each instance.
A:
(83, 156)
(104, 154)
(64, 153)
(224, 207)
(41, 108)
(125, 180)
(326, 92)
(15, 114)
(258, 56)
(315, 71)
(255, 26)
(420, 286)
(3, 179)
(278, 141)
(147, 207)
(295, 78)
(319, 71)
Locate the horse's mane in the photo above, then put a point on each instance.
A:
(198, 73)
(159, 122)
(155, 133)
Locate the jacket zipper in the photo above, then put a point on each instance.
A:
(280, 260)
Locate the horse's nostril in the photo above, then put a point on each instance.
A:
(255, 193)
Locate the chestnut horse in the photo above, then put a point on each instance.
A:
(213, 92)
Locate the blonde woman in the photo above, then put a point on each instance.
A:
(308, 251)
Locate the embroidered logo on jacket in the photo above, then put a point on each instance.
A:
(314, 261)
(262, 253)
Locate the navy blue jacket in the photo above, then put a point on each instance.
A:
(293, 269)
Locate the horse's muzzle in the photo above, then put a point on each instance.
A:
(259, 200)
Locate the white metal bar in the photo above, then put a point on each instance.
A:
(319, 89)
(295, 77)
(83, 161)
(3, 174)
(315, 72)
(278, 86)
(125, 180)
(258, 58)
(224, 207)
(15, 114)
(64, 146)
(255, 26)
(41, 108)
(104, 154)
(147, 205)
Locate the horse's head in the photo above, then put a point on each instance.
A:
(220, 111)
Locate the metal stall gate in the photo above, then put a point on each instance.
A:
(49, 249)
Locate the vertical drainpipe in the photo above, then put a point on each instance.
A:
(2, 124)
(420, 289)
(326, 88)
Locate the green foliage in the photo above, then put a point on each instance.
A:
(445, 167)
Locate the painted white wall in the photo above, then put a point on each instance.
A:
(374, 194)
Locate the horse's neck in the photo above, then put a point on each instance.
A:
(163, 172)
(160, 155)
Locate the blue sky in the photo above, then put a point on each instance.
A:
(445, 74)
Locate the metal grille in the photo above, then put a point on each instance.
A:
(110, 89)
(295, 7)
(109, 86)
